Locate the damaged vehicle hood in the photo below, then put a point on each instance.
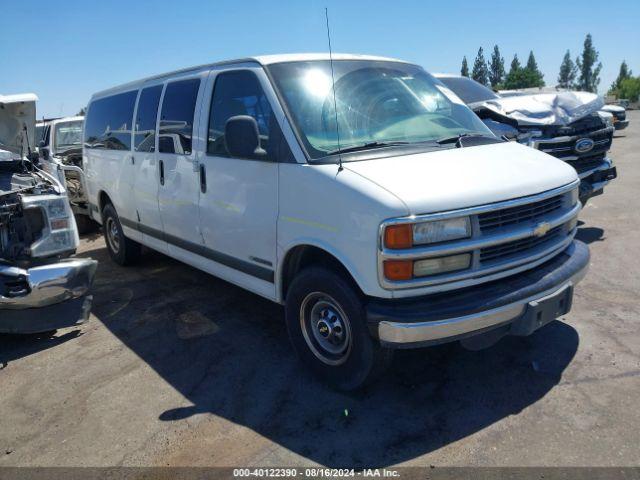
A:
(613, 109)
(16, 113)
(543, 109)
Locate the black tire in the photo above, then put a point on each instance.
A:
(122, 250)
(356, 359)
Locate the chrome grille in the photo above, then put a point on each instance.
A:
(509, 249)
(525, 213)
(506, 238)
(563, 147)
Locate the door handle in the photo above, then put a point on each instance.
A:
(203, 178)
(133, 160)
(161, 172)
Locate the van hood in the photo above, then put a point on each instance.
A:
(543, 109)
(16, 112)
(465, 177)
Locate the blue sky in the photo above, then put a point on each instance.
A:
(66, 50)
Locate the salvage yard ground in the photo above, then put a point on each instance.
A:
(178, 368)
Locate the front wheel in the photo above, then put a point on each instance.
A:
(327, 327)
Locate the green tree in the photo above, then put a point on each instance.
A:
(630, 89)
(513, 78)
(535, 78)
(589, 67)
(82, 112)
(515, 64)
(464, 70)
(622, 75)
(496, 67)
(480, 72)
(568, 72)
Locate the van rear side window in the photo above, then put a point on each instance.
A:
(146, 116)
(176, 120)
(108, 124)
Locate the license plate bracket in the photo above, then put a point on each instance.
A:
(542, 311)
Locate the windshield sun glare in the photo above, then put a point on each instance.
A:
(377, 103)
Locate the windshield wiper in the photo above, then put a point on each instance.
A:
(366, 146)
(458, 138)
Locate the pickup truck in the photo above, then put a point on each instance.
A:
(42, 286)
(566, 125)
(619, 113)
(60, 147)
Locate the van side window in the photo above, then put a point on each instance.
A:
(108, 124)
(176, 119)
(238, 93)
(145, 126)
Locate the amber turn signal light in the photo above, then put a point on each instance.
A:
(398, 269)
(398, 236)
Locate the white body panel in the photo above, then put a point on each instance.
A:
(178, 198)
(339, 212)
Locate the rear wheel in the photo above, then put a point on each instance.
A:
(327, 327)
(122, 250)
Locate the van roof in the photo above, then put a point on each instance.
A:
(260, 59)
(447, 75)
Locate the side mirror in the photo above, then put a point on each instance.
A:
(44, 152)
(41, 144)
(242, 137)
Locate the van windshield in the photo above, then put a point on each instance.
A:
(68, 135)
(378, 103)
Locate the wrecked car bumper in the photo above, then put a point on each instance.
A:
(620, 124)
(518, 305)
(45, 297)
(593, 181)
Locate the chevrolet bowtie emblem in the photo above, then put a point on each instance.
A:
(541, 229)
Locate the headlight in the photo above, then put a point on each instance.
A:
(527, 137)
(434, 266)
(407, 235)
(607, 118)
(60, 233)
(441, 230)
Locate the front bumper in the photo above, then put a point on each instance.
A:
(621, 124)
(524, 302)
(45, 297)
(592, 183)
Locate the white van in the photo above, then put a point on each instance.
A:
(398, 221)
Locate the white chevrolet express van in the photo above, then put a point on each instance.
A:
(397, 221)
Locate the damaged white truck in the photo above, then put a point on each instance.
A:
(60, 146)
(42, 288)
(567, 125)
